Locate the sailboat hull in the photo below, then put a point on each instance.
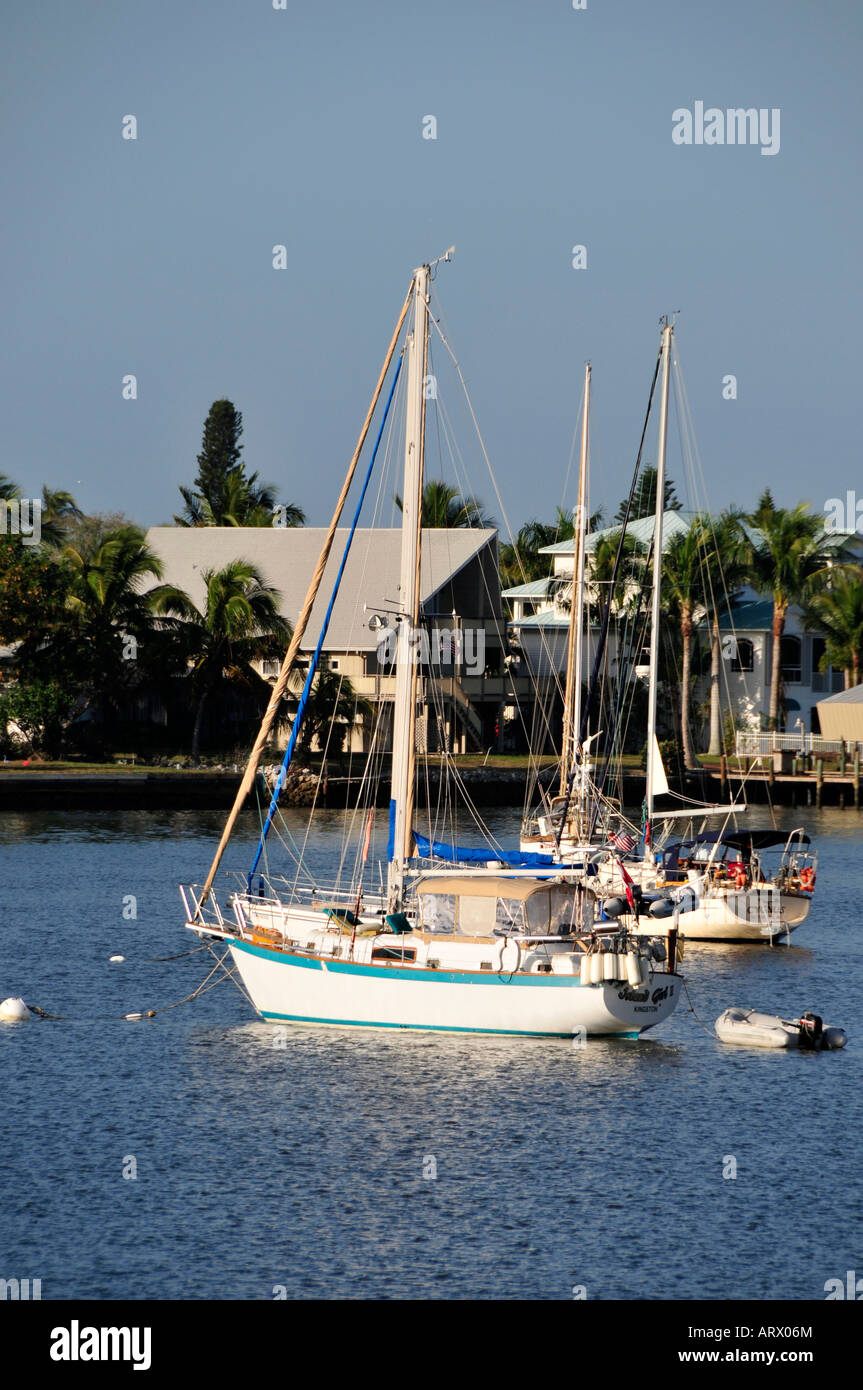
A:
(759, 915)
(288, 988)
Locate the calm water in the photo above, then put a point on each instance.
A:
(304, 1167)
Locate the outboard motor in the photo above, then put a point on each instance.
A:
(811, 1028)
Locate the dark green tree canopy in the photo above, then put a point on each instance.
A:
(224, 494)
(644, 499)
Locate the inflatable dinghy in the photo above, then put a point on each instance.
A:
(747, 1028)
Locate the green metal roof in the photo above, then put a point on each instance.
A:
(538, 588)
(754, 614)
(673, 524)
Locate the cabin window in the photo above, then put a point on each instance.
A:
(742, 660)
(536, 912)
(393, 953)
(438, 911)
(510, 913)
(270, 668)
(791, 660)
(563, 902)
(477, 916)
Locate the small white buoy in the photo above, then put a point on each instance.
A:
(116, 958)
(14, 1011)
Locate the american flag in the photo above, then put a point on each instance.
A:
(622, 841)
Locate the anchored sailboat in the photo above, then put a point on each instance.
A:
(720, 880)
(519, 948)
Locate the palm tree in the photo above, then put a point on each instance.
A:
(728, 569)
(836, 610)
(107, 605)
(786, 559)
(59, 509)
(242, 501)
(238, 623)
(332, 701)
(443, 506)
(521, 562)
(601, 567)
(684, 587)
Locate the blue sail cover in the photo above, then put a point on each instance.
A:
(451, 854)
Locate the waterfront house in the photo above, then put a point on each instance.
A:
(470, 696)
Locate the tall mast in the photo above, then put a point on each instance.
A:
(575, 648)
(667, 331)
(404, 715)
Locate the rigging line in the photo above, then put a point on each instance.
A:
(687, 428)
(499, 499)
(301, 708)
(503, 632)
(308, 603)
(606, 616)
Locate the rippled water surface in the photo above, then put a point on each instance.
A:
(303, 1167)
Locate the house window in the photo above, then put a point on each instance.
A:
(832, 678)
(743, 655)
(791, 660)
(335, 663)
(270, 668)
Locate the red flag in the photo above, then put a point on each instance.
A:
(627, 884)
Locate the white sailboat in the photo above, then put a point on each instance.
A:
(720, 880)
(486, 950)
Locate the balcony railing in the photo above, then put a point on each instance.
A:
(759, 745)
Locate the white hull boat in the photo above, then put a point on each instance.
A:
(518, 952)
(300, 987)
(719, 880)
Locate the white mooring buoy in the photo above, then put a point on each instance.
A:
(116, 958)
(14, 1011)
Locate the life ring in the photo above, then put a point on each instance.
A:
(807, 880)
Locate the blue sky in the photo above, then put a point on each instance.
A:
(304, 127)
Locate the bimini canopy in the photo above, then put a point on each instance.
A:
(478, 906)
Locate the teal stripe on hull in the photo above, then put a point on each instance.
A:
(411, 973)
(427, 1027)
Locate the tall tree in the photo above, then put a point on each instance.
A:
(33, 588)
(644, 498)
(443, 506)
(522, 562)
(786, 559)
(109, 615)
(835, 608)
(685, 587)
(238, 624)
(224, 494)
(729, 568)
(333, 705)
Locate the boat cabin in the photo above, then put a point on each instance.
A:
(726, 849)
(498, 906)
